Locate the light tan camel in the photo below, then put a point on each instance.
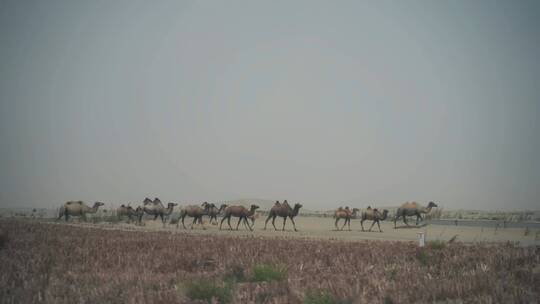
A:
(77, 208)
(345, 214)
(284, 211)
(411, 209)
(373, 215)
(194, 211)
(241, 213)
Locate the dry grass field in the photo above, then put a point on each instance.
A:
(59, 263)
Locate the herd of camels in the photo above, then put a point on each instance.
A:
(284, 210)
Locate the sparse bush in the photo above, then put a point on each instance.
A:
(423, 256)
(436, 244)
(208, 290)
(322, 296)
(236, 274)
(319, 297)
(267, 273)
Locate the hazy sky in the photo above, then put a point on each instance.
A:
(326, 103)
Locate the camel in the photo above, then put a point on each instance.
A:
(197, 212)
(284, 211)
(238, 211)
(77, 208)
(345, 214)
(214, 211)
(156, 209)
(130, 213)
(374, 215)
(411, 209)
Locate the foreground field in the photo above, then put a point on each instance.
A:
(48, 263)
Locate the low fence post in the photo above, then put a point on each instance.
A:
(421, 239)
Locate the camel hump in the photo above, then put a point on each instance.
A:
(277, 203)
(369, 207)
(410, 205)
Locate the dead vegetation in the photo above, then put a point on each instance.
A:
(65, 264)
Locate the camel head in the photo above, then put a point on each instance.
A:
(297, 206)
(432, 204)
(205, 204)
(98, 204)
(222, 207)
(254, 207)
(384, 214)
(171, 205)
(147, 201)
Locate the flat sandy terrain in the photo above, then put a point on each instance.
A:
(323, 228)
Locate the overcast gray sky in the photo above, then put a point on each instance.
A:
(326, 103)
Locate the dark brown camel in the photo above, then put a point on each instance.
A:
(285, 211)
(241, 212)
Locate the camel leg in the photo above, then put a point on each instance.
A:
(344, 223)
(378, 224)
(362, 223)
(349, 224)
(247, 223)
(335, 224)
(229, 222)
(294, 225)
(194, 222)
(238, 224)
(273, 220)
(371, 225)
(162, 219)
(405, 220)
(221, 224)
(183, 217)
(284, 220)
(395, 220)
(418, 217)
(266, 222)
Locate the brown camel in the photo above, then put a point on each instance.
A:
(156, 209)
(374, 215)
(284, 211)
(411, 209)
(241, 213)
(345, 214)
(77, 208)
(214, 211)
(194, 211)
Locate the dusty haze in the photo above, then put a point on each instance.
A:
(325, 103)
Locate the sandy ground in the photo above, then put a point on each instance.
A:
(323, 228)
